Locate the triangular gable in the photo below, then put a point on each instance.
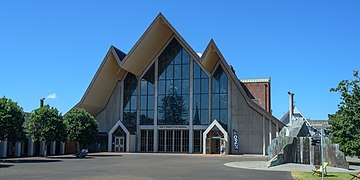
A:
(209, 60)
(210, 57)
(150, 44)
(136, 61)
(122, 126)
(218, 125)
(102, 85)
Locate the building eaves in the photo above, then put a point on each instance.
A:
(255, 80)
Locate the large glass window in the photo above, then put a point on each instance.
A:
(147, 97)
(201, 96)
(173, 141)
(147, 140)
(130, 99)
(173, 85)
(197, 141)
(220, 97)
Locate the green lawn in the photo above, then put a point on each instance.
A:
(331, 175)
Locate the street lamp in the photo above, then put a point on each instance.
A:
(42, 102)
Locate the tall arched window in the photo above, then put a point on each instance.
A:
(201, 96)
(147, 99)
(130, 102)
(220, 97)
(173, 85)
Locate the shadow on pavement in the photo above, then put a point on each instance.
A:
(69, 157)
(32, 161)
(5, 165)
(354, 163)
(103, 155)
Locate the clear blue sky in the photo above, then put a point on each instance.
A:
(306, 47)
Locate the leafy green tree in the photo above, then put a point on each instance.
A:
(345, 123)
(81, 127)
(46, 124)
(11, 120)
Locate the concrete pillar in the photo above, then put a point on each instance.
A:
(138, 131)
(191, 123)
(17, 149)
(301, 150)
(156, 109)
(109, 142)
(30, 147)
(311, 152)
(3, 148)
(52, 148)
(270, 138)
(42, 148)
(263, 134)
(62, 148)
(229, 141)
(204, 143)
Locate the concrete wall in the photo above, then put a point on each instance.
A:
(111, 114)
(247, 122)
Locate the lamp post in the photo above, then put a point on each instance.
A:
(42, 102)
(42, 144)
(291, 107)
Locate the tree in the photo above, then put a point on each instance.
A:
(11, 120)
(46, 124)
(174, 109)
(345, 123)
(81, 127)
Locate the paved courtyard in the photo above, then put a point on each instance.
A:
(134, 166)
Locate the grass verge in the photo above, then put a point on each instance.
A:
(297, 175)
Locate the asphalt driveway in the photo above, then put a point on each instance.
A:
(134, 166)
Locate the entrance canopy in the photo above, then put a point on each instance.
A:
(216, 135)
(110, 135)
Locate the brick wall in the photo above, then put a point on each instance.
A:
(260, 93)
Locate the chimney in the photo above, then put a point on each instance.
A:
(291, 107)
(42, 102)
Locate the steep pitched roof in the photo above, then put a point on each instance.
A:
(150, 44)
(116, 64)
(103, 83)
(209, 60)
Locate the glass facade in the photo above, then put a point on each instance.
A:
(173, 141)
(201, 96)
(172, 77)
(130, 102)
(147, 140)
(147, 94)
(220, 97)
(197, 141)
(173, 85)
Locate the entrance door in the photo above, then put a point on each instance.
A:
(214, 145)
(119, 144)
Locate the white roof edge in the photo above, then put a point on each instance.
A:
(255, 80)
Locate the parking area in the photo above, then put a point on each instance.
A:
(134, 166)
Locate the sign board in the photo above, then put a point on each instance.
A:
(173, 127)
(236, 140)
